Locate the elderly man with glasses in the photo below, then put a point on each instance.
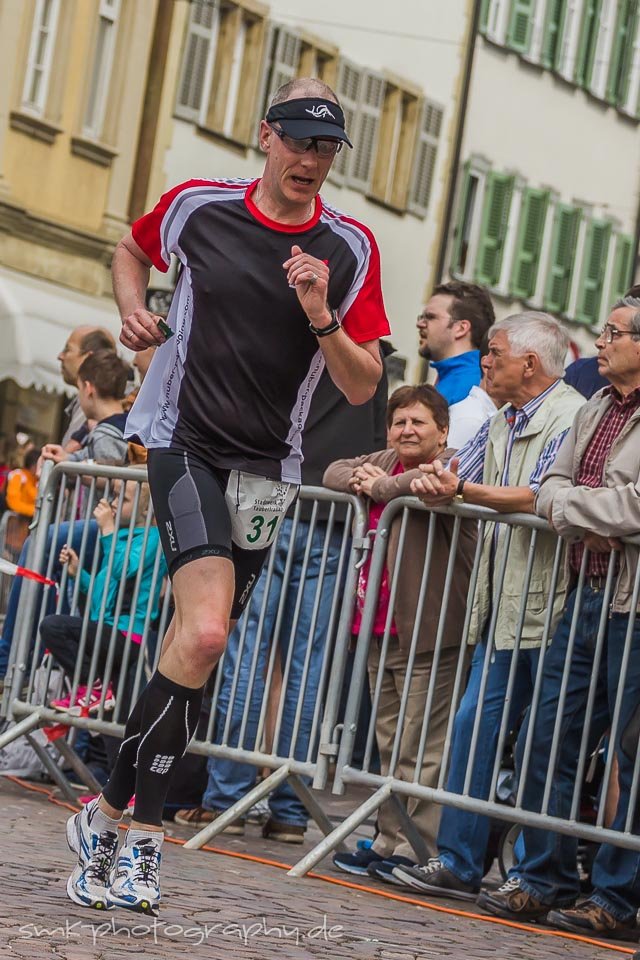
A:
(591, 496)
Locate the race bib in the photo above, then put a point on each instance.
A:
(257, 507)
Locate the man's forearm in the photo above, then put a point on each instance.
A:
(130, 280)
(353, 369)
(503, 499)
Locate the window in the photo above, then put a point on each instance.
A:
(394, 154)
(197, 58)
(568, 39)
(318, 60)
(425, 158)
(520, 25)
(594, 264)
(495, 18)
(622, 267)
(526, 258)
(560, 270)
(284, 58)
(101, 69)
(495, 216)
(589, 30)
(43, 35)
(348, 88)
(632, 103)
(622, 52)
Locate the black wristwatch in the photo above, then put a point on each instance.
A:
(325, 331)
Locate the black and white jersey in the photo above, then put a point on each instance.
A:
(235, 382)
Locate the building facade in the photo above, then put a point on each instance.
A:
(73, 76)
(548, 191)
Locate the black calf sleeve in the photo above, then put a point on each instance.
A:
(122, 781)
(169, 720)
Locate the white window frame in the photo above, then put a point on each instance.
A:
(37, 106)
(604, 43)
(337, 175)
(570, 40)
(101, 68)
(605, 305)
(210, 34)
(366, 109)
(502, 288)
(632, 103)
(234, 78)
(498, 20)
(576, 280)
(537, 32)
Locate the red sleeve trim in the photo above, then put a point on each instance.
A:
(147, 231)
(366, 318)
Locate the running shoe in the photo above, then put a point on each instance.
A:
(93, 875)
(86, 700)
(137, 883)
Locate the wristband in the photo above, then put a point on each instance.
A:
(325, 331)
(459, 494)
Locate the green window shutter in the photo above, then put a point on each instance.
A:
(587, 42)
(484, 15)
(563, 243)
(520, 24)
(530, 231)
(554, 20)
(495, 217)
(622, 267)
(594, 264)
(621, 51)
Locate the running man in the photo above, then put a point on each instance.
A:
(275, 285)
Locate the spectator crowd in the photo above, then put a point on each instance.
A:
(483, 632)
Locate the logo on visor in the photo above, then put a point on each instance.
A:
(320, 112)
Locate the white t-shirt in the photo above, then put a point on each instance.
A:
(467, 416)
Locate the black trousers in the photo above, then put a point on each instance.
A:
(61, 636)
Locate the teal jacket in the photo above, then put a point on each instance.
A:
(128, 621)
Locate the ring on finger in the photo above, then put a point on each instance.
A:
(313, 278)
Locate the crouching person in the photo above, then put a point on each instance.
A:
(418, 423)
(591, 496)
(61, 634)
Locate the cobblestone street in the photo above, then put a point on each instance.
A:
(218, 905)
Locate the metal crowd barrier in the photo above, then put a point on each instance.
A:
(13, 532)
(293, 638)
(389, 786)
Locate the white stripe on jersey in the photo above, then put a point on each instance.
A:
(290, 469)
(359, 244)
(186, 203)
(154, 414)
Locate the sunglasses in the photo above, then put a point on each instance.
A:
(324, 148)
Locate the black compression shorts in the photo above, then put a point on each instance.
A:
(193, 519)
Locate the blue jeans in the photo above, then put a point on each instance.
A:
(230, 780)
(547, 867)
(16, 586)
(463, 836)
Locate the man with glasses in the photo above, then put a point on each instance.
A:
(275, 286)
(591, 496)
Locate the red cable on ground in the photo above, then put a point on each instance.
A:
(485, 918)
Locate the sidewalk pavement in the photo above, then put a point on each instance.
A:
(215, 906)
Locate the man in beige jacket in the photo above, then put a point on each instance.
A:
(591, 496)
(500, 468)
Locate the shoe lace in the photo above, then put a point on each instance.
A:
(510, 885)
(431, 866)
(146, 870)
(101, 862)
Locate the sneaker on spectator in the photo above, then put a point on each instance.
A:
(437, 880)
(198, 817)
(511, 902)
(259, 812)
(85, 699)
(383, 869)
(357, 863)
(589, 918)
(283, 832)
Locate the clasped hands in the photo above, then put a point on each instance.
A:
(363, 478)
(438, 484)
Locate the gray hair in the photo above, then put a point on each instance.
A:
(539, 333)
(634, 304)
(303, 87)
